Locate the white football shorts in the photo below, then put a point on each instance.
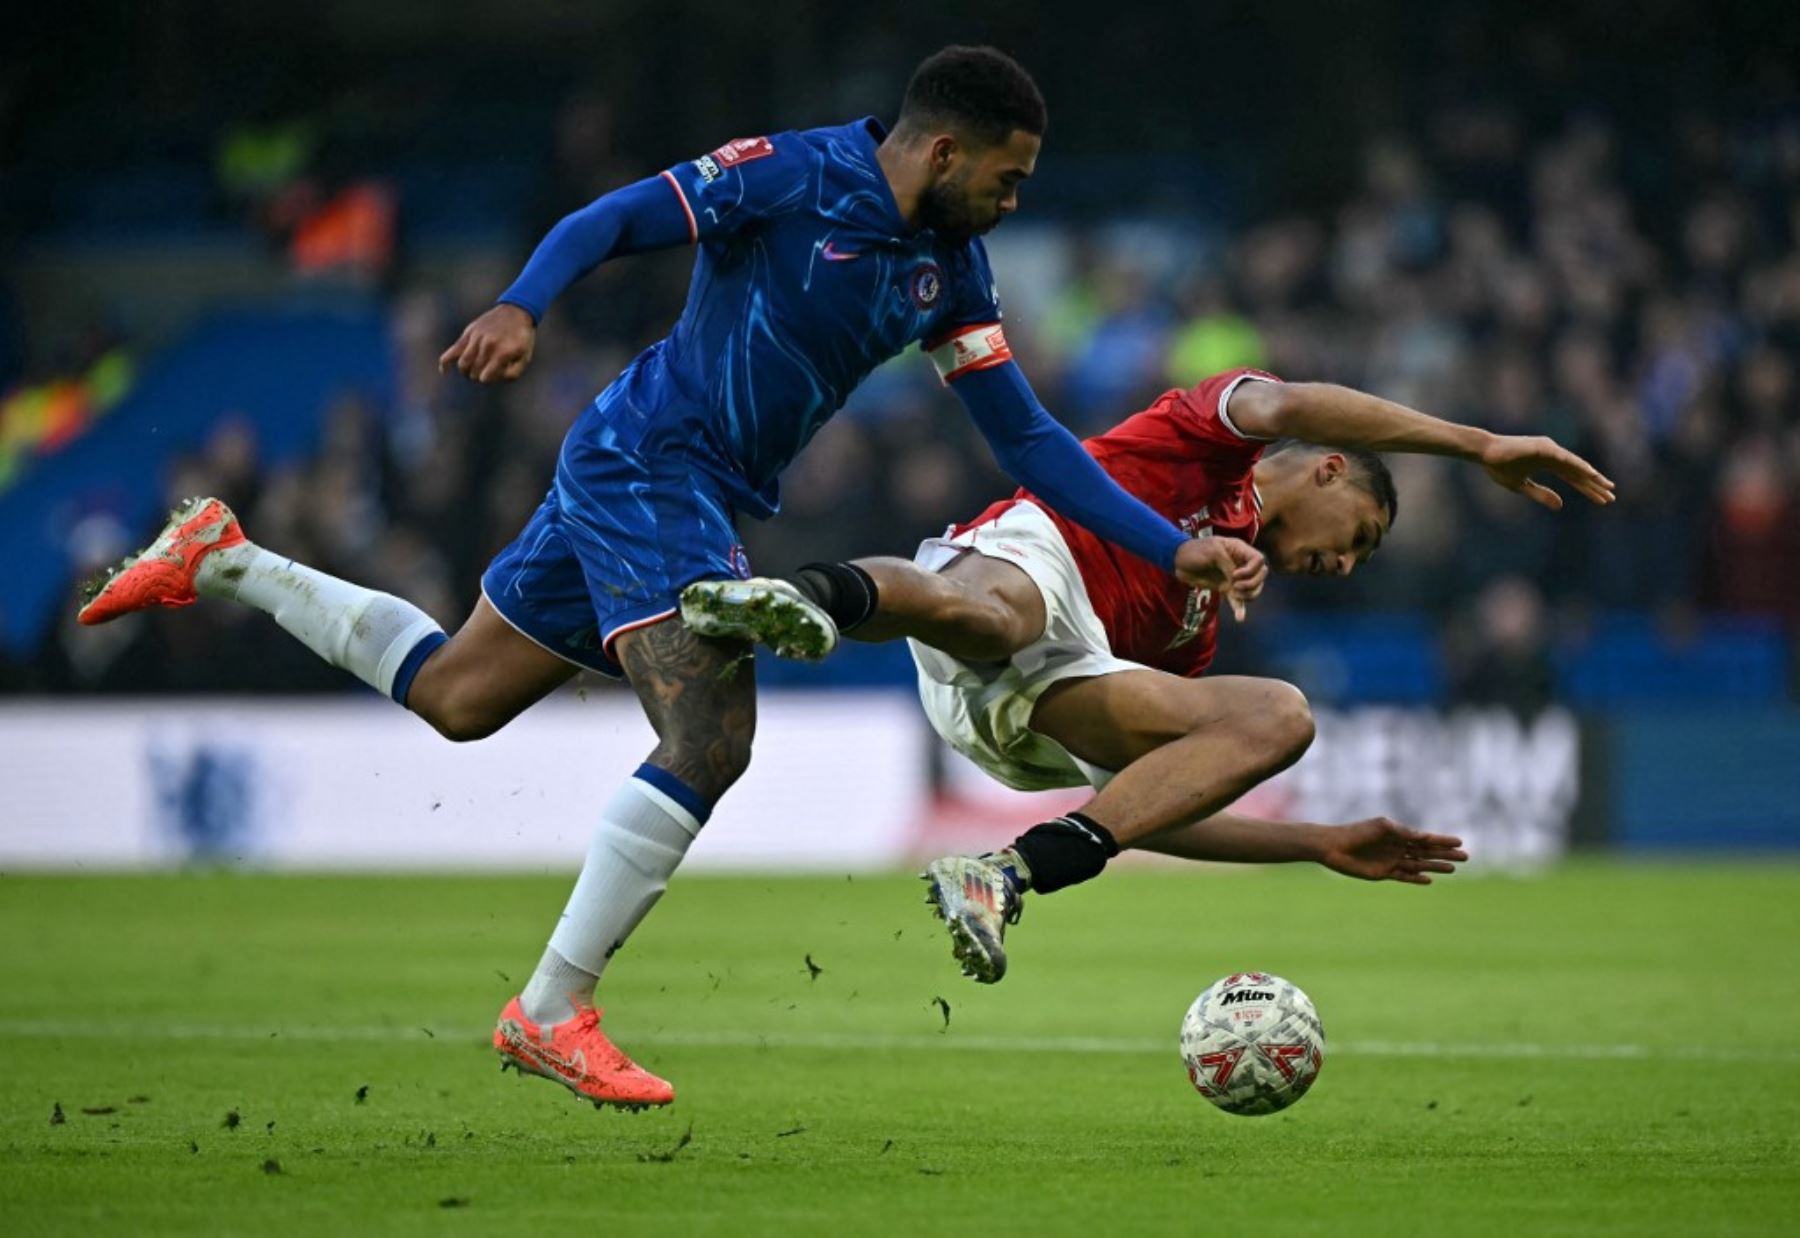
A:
(983, 710)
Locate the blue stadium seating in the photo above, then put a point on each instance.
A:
(1629, 659)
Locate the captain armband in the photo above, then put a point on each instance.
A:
(979, 347)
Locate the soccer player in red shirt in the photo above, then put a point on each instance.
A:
(1052, 659)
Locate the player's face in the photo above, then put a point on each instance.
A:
(976, 187)
(1330, 529)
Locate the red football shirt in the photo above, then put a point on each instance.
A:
(1185, 458)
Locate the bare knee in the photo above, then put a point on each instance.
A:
(981, 609)
(708, 759)
(453, 707)
(988, 628)
(1268, 716)
(1282, 721)
(461, 722)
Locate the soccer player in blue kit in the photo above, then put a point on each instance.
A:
(821, 254)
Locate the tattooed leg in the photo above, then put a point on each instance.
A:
(700, 696)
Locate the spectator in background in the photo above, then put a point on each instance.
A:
(1755, 534)
(1212, 336)
(1122, 359)
(1501, 655)
(628, 308)
(261, 165)
(231, 469)
(349, 232)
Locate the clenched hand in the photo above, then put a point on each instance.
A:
(495, 348)
(1225, 564)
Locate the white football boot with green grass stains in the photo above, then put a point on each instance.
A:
(770, 612)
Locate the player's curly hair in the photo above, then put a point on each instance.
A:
(979, 91)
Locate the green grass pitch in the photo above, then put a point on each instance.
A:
(1608, 1050)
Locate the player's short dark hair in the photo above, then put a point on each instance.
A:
(978, 91)
(1368, 471)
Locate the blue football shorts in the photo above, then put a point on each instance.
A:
(610, 549)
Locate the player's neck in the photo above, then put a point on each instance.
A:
(1275, 482)
(905, 178)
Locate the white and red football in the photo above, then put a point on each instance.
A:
(1253, 1043)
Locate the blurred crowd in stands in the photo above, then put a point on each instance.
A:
(1640, 303)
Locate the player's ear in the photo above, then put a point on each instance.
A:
(942, 152)
(1330, 468)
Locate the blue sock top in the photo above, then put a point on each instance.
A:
(696, 804)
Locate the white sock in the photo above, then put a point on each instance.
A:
(360, 630)
(636, 848)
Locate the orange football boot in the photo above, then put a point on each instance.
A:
(162, 574)
(576, 1054)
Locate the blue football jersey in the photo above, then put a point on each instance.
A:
(806, 280)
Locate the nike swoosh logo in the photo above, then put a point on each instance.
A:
(569, 1068)
(837, 255)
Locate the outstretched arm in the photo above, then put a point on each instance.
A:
(1374, 850)
(1340, 417)
(647, 215)
(1041, 455)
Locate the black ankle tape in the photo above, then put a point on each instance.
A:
(847, 593)
(1065, 852)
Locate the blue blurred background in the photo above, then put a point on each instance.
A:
(235, 238)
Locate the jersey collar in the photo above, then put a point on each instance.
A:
(872, 133)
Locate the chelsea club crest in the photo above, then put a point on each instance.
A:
(927, 285)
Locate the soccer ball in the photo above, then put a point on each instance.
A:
(1253, 1043)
